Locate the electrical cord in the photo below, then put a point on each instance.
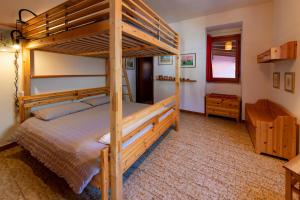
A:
(16, 83)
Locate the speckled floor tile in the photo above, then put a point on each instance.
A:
(209, 158)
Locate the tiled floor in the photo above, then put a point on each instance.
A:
(209, 158)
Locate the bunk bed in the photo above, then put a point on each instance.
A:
(111, 29)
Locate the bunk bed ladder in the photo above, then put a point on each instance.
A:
(126, 83)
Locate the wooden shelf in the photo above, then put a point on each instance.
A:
(190, 81)
(287, 51)
(65, 76)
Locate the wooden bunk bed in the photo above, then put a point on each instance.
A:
(111, 29)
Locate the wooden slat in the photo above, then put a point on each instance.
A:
(138, 34)
(87, 31)
(55, 97)
(59, 29)
(115, 60)
(138, 115)
(65, 76)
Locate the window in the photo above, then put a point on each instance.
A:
(223, 59)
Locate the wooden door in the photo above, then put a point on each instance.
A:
(144, 80)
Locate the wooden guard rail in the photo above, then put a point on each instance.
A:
(134, 150)
(27, 102)
(78, 13)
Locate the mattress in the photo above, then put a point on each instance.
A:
(69, 145)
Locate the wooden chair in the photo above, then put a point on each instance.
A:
(292, 178)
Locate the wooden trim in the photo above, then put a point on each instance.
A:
(66, 76)
(115, 60)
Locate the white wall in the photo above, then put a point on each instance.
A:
(45, 64)
(256, 37)
(7, 112)
(286, 27)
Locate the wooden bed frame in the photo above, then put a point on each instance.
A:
(111, 29)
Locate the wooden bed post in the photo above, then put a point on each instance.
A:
(115, 61)
(177, 82)
(28, 70)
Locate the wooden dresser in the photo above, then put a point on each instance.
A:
(223, 105)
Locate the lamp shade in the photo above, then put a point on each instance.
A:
(228, 46)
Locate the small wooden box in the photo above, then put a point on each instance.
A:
(223, 105)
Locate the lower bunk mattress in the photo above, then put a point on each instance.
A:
(69, 145)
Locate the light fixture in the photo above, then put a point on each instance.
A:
(16, 45)
(4, 49)
(228, 45)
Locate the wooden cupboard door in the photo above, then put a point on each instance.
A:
(285, 137)
(266, 136)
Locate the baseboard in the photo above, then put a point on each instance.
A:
(8, 146)
(192, 112)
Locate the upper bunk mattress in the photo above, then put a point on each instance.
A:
(69, 145)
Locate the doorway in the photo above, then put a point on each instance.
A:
(144, 80)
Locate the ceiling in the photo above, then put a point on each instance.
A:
(176, 10)
(171, 10)
(9, 9)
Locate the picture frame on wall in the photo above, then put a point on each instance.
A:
(276, 80)
(289, 81)
(130, 63)
(165, 60)
(188, 60)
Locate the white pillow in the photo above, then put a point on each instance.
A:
(60, 110)
(97, 101)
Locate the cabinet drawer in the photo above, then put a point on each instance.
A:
(222, 112)
(223, 102)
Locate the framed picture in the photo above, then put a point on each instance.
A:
(188, 60)
(276, 80)
(289, 81)
(130, 63)
(165, 60)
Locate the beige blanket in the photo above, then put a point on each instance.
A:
(69, 145)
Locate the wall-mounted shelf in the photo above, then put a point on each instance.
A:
(181, 80)
(66, 76)
(287, 51)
